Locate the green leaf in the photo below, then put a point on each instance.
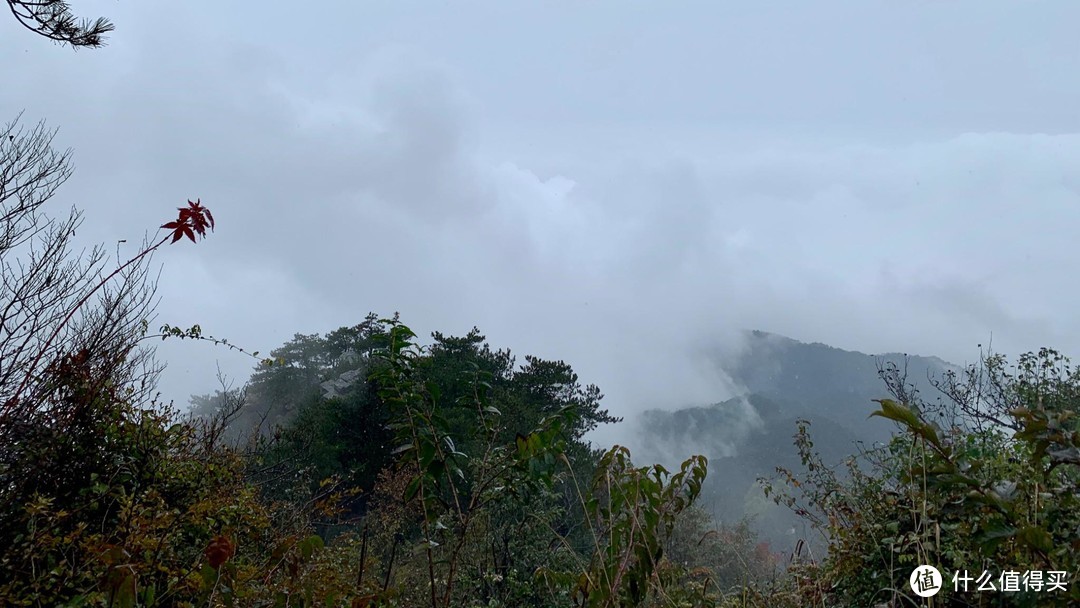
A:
(892, 410)
(1036, 538)
(427, 454)
(309, 545)
(436, 469)
(412, 489)
(209, 577)
(522, 445)
(433, 390)
(996, 535)
(125, 591)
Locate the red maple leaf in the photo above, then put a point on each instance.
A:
(193, 219)
(219, 551)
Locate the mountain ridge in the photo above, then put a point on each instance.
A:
(748, 436)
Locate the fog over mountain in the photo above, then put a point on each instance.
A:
(781, 380)
(625, 198)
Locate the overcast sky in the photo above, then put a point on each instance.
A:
(617, 184)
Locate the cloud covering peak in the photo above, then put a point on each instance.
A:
(624, 200)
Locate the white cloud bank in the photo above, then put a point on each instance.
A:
(377, 178)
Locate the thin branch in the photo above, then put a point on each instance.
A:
(54, 20)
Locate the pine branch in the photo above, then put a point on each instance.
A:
(54, 20)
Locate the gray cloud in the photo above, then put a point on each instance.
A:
(619, 193)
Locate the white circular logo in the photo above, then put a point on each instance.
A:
(925, 581)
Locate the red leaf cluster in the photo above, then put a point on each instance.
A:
(219, 551)
(193, 219)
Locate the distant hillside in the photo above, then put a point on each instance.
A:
(749, 436)
(819, 381)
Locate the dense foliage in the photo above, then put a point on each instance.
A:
(995, 491)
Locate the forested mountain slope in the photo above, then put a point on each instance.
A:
(747, 437)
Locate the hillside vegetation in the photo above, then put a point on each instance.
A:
(450, 475)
